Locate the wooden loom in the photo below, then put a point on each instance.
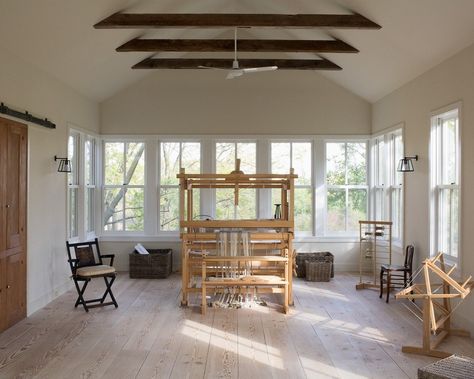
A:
(437, 309)
(260, 271)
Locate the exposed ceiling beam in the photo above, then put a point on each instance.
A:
(249, 45)
(208, 20)
(283, 64)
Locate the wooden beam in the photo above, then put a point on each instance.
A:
(203, 63)
(209, 20)
(247, 45)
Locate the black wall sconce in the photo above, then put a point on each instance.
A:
(406, 164)
(64, 164)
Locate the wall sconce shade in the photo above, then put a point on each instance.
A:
(64, 164)
(406, 164)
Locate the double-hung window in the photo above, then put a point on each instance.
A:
(227, 154)
(73, 186)
(445, 183)
(387, 183)
(89, 185)
(379, 178)
(173, 156)
(296, 155)
(124, 186)
(346, 187)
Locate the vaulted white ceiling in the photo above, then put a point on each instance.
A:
(58, 37)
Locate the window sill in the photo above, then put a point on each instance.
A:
(347, 239)
(138, 238)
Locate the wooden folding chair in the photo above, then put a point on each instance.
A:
(87, 264)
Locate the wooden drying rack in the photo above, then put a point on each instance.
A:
(269, 273)
(437, 309)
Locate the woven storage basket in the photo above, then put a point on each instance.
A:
(156, 265)
(312, 257)
(318, 271)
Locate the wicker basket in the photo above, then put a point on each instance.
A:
(318, 271)
(156, 265)
(301, 258)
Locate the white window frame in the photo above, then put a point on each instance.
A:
(436, 180)
(73, 185)
(311, 186)
(112, 186)
(264, 208)
(391, 182)
(160, 186)
(346, 187)
(80, 184)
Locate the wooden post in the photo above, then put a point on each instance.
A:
(203, 287)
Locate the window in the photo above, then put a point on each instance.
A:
(445, 179)
(89, 184)
(124, 186)
(296, 155)
(226, 155)
(387, 183)
(73, 186)
(173, 156)
(346, 186)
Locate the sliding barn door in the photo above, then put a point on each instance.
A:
(13, 175)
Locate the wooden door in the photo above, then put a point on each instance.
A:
(13, 166)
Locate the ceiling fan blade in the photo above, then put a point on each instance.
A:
(234, 74)
(259, 69)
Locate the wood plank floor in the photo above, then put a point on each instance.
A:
(333, 331)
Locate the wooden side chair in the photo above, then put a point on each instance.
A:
(86, 263)
(397, 276)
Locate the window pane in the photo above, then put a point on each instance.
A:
(397, 213)
(302, 162)
(281, 158)
(169, 209)
(134, 206)
(89, 209)
(113, 209)
(357, 208)
(380, 162)
(135, 164)
(73, 203)
(225, 157)
(356, 163)
(398, 142)
(448, 222)
(247, 153)
(72, 152)
(449, 151)
(303, 211)
(89, 156)
(336, 210)
(335, 163)
(191, 157)
(114, 163)
(169, 153)
(224, 204)
(379, 204)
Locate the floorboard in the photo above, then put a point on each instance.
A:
(333, 331)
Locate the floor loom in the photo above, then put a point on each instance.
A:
(260, 259)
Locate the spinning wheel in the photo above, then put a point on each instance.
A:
(437, 308)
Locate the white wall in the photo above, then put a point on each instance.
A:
(25, 87)
(190, 102)
(451, 81)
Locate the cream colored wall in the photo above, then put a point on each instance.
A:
(451, 81)
(190, 102)
(25, 87)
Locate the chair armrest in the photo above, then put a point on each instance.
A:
(110, 256)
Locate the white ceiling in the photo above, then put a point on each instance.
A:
(58, 37)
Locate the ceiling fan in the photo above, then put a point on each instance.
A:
(236, 71)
